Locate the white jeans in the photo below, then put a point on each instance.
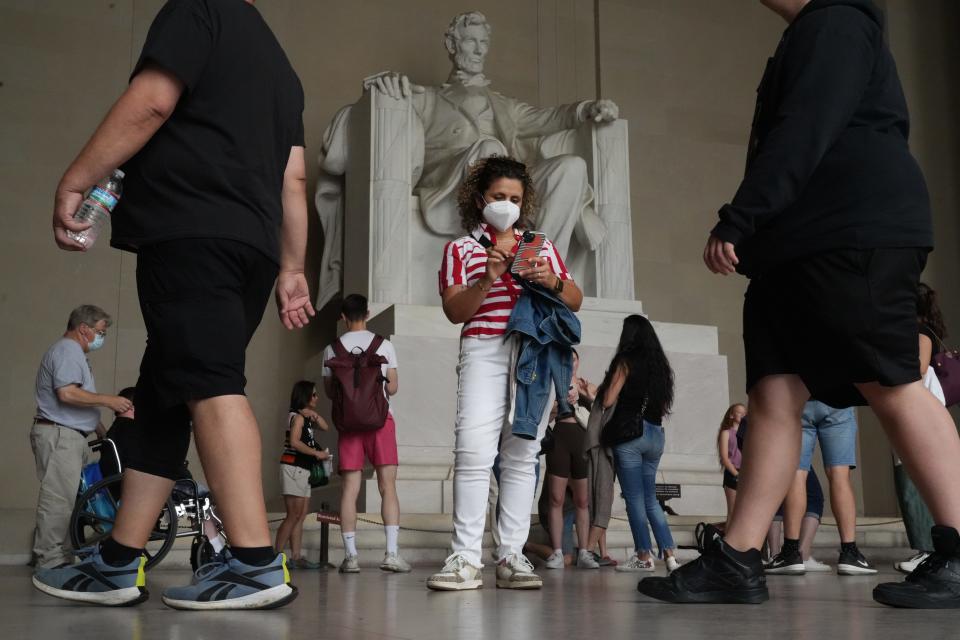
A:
(483, 412)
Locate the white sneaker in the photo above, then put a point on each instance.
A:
(394, 563)
(812, 565)
(585, 560)
(907, 566)
(672, 564)
(457, 575)
(516, 572)
(556, 561)
(350, 564)
(634, 563)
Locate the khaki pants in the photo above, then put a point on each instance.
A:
(60, 454)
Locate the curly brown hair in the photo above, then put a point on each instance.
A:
(928, 310)
(478, 180)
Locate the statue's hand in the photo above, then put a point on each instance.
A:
(602, 111)
(396, 85)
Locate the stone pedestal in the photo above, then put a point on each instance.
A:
(425, 408)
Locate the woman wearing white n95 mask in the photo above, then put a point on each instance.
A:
(496, 204)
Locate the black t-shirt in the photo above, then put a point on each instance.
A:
(828, 165)
(215, 168)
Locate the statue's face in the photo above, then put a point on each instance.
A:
(472, 47)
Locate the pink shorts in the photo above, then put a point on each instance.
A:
(379, 447)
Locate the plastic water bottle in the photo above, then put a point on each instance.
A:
(328, 465)
(97, 207)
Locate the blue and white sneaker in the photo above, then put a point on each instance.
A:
(94, 581)
(231, 584)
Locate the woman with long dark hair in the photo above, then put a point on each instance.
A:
(497, 204)
(640, 383)
(300, 452)
(917, 519)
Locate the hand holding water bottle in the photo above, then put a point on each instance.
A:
(65, 205)
(76, 228)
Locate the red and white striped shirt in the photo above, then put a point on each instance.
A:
(465, 262)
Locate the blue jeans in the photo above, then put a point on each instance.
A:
(637, 462)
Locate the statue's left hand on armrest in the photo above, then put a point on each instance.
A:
(600, 111)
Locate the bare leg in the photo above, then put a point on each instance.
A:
(808, 531)
(773, 440)
(558, 492)
(922, 432)
(843, 502)
(731, 496)
(794, 506)
(228, 441)
(581, 498)
(284, 531)
(775, 537)
(143, 498)
(349, 492)
(296, 533)
(389, 502)
(602, 541)
(542, 551)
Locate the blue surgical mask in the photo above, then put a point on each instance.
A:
(98, 341)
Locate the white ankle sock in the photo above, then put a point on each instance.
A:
(349, 542)
(393, 533)
(560, 551)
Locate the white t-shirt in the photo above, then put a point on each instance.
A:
(357, 341)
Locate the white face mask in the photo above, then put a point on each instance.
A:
(502, 214)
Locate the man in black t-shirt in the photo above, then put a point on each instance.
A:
(832, 224)
(210, 136)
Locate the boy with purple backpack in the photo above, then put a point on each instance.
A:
(359, 376)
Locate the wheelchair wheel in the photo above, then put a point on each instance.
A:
(201, 552)
(95, 511)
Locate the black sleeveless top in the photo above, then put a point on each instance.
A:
(633, 399)
(290, 455)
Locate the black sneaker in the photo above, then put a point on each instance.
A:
(786, 563)
(935, 584)
(852, 563)
(716, 577)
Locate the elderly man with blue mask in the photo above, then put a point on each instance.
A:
(68, 410)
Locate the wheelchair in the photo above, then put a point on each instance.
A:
(189, 512)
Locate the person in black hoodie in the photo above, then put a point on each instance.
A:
(832, 225)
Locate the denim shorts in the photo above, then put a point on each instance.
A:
(836, 429)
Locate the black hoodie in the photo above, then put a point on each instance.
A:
(828, 165)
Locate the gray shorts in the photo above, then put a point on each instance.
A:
(294, 481)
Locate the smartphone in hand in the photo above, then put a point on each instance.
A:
(530, 247)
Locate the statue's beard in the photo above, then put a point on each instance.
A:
(463, 62)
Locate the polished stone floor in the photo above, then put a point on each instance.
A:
(599, 604)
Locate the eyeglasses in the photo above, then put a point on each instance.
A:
(102, 332)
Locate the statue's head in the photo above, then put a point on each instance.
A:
(467, 40)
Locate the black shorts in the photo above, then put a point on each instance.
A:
(567, 458)
(202, 300)
(730, 480)
(835, 319)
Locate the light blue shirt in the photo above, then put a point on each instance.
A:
(64, 364)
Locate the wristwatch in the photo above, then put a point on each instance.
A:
(558, 288)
